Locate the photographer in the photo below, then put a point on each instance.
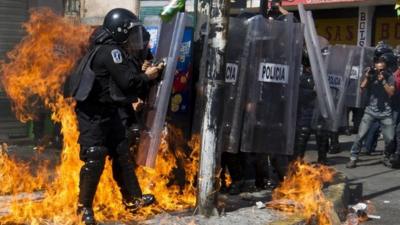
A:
(379, 85)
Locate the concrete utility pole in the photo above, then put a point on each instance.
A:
(136, 7)
(218, 12)
(72, 9)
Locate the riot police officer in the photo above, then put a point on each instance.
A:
(104, 82)
(305, 112)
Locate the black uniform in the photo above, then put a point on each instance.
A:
(109, 85)
(305, 113)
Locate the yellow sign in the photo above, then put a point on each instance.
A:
(338, 31)
(388, 29)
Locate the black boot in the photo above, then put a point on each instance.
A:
(94, 158)
(124, 174)
(137, 203)
(87, 215)
(302, 136)
(322, 139)
(394, 160)
(334, 148)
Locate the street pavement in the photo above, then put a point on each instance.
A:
(370, 181)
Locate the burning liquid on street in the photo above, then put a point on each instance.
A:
(35, 72)
(301, 193)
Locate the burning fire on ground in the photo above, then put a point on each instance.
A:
(35, 72)
(301, 193)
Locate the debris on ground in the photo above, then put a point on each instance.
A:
(359, 213)
(260, 205)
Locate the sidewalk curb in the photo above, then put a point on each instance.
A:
(292, 220)
(338, 193)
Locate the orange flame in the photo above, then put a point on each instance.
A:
(301, 192)
(36, 70)
(11, 171)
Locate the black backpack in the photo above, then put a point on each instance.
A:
(80, 82)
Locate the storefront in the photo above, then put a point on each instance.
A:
(338, 26)
(386, 26)
(355, 22)
(12, 15)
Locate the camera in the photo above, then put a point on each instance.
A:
(374, 72)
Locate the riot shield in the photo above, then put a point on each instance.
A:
(363, 58)
(169, 38)
(273, 70)
(234, 88)
(324, 95)
(339, 67)
(338, 62)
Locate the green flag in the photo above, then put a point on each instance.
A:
(397, 7)
(171, 9)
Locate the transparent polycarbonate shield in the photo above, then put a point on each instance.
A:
(339, 70)
(338, 61)
(234, 88)
(168, 46)
(273, 69)
(363, 58)
(318, 67)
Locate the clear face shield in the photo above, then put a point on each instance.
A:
(135, 39)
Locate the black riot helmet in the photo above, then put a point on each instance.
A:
(390, 60)
(380, 49)
(124, 26)
(274, 3)
(270, 8)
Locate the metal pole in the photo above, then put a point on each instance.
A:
(209, 157)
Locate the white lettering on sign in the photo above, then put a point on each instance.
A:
(355, 73)
(335, 81)
(364, 26)
(231, 73)
(273, 73)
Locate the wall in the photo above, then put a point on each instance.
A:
(338, 26)
(56, 5)
(387, 25)
(93, 11)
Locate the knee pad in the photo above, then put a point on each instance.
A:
(123, 155)
(94, 157)
(96, 153)
(304, 131)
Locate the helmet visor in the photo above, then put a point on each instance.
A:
(135, 39)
